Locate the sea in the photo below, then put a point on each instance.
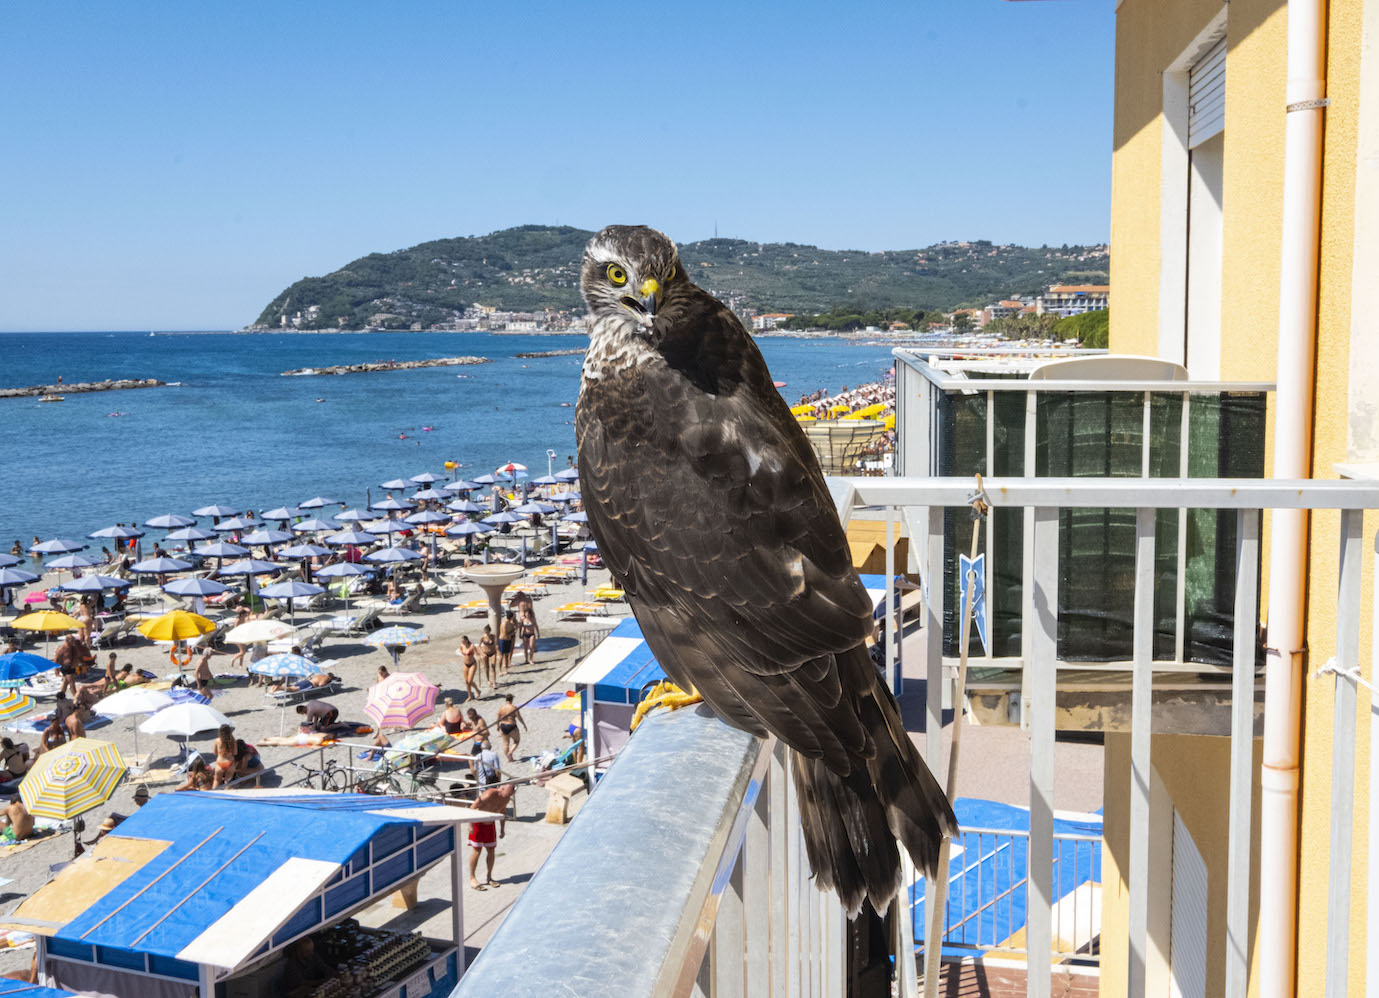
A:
(230, 429)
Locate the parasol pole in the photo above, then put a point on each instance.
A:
(936, 903)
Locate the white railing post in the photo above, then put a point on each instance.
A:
(1242, 753)
(1041, 682)
(1343, 756)
(1141, 759)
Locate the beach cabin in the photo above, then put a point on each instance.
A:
(613, 678)
(209, 895)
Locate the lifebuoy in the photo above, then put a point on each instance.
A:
(172, 657)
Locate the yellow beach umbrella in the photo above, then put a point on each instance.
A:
(177, 625)
(840, 407)
(801, 410)
(71, 779)
(890, 425)
(806, 419)
(46, 620)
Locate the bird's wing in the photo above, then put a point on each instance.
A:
(714, 516)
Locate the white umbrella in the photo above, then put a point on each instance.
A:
(255, 631)
(135, 700)
(182, 720)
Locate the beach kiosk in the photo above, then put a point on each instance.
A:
(213, 895)
(614, 677)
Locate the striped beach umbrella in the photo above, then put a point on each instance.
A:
(13, 703)
(395, 638)
(72, 779)
(285, 664)
(401, 700)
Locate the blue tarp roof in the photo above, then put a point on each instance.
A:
(633, 668)
(222, 847)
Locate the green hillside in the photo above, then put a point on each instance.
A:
(533, 267)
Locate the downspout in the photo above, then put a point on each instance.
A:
(1293, 403)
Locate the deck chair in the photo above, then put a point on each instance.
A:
(412, 604)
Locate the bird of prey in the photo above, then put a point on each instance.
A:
(710, 509)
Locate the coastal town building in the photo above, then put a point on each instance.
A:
(767, 321)
(1073, 299)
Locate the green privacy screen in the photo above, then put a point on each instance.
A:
(1101, 435)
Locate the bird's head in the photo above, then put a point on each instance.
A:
(629, 270)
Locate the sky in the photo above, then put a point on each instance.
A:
(174, 166)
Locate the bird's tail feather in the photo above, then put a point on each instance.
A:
(852, 823)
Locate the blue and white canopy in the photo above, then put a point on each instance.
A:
(622, 667)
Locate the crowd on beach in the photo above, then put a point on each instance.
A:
(826, 406)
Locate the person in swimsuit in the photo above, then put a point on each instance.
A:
(478, 725)
(507, 635)
(509, 716)
(225, 750)
(198, 777)
(488, 656)
(528, 631)
(469, 656)
(452, 719)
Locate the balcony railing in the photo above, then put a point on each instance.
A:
(685, 871)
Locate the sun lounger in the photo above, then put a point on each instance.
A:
(608, 594)
(291, 696)
(474, 608)
(573, 611)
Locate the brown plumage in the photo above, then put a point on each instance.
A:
(711, 511)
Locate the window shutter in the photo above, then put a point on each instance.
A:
(1206, 95)
(1188, 935)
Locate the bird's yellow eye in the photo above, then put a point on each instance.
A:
(617, 275)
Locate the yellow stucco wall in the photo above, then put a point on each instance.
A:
(1150, 35)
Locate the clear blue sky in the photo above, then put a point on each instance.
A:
(175, 165)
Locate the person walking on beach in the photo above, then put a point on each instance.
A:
(507, 636)
(477, 725)
(528, 630)
(469, 658)
(509, 716)
(488, 656)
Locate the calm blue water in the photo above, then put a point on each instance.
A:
(237, 433)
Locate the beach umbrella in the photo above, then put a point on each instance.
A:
(198, 589)
(117, 533)
(191, 534)
(381, 527)
(291, 591)
(182, 720)
(465, 506)
(93, 584)
(250, 566)
(303, 551)
(484, 480)
(469, 527)
(394, 504)
(281, 513)
(18, 667)
(397, 554)
(266, 537)
(16, 577)
(577, 517)
(72, 779)
(132, 701)
(47, 621)
(158, 566)
(426, 478)
(563, 497)
(428, 516)
(505, 517)
(220, 549)
(342, 569)
(460, 485)
(351, 537)
(351, 516)
(73, 561)
(58, 545)
(176, 625)
(511, 468)
(285, 664)
(394, 639)
(233, 524)
(317, 502)
(181, 694)
(256, 631)
(401, 700)
(398, 483)
(534, 507)
(215, 511)
(13, 703)
(6, 560)
(171, 521)
(567, 474)
(546, 480)
(429, 494)
(312, 525)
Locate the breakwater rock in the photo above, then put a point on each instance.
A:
(108, 385)
(386, 365)
(574, 352)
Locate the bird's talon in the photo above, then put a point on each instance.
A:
(666, 695)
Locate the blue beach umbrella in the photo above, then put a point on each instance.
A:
(58, 545)
(116, 533)
(534, 507)
(426, 478)
(281, 513)
(154, 566)
(18, 667)
(215, 511)
(6, 560)
(387, 527)
(261, 537)
(313, 525)
(546, 480)
(429, 494)
(170, 521)
(250, 566)
(505, 517)
(73, 561)
(285, 664)
(317, 502)
(469, 528)
(460, 485)
(351, 516)
(484, 480)
(93, 584)
(394, 504)
(220, 549)
(428, 516)
(191, 534)
(398, 554)
(465, 506)
(351, 537)
(563, 497)
(303, 551)
(234, 523)
(567, 474)
(292, 591)
(579, 517)
(398, 483)
(342, 570)
(15, 577)
(196, 587)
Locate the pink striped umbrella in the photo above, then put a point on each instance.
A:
(401, 700)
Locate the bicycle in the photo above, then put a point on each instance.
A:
(332, 777)
(407, 780)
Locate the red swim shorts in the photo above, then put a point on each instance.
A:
(483, 833)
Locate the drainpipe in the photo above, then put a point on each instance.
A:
(1297, 334)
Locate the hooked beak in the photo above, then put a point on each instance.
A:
(649, 290)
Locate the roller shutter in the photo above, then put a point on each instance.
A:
(1206, 95)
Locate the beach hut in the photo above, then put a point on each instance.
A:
(613, 678)
(203, 891)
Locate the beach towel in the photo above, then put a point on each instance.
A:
(37, 725)
(552, 699)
